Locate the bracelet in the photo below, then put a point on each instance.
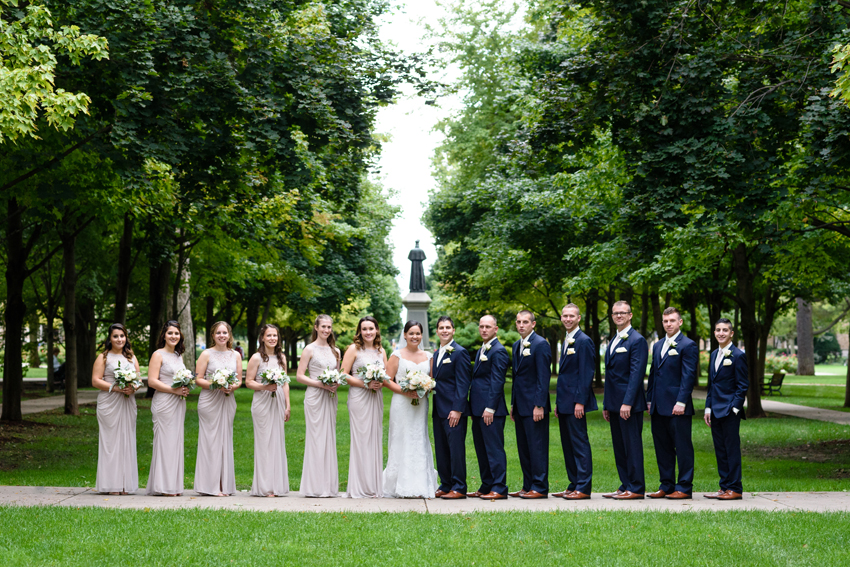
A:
(110, 387)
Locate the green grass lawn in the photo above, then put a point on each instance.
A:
(92, 536)
(780, 453)
(824, 397)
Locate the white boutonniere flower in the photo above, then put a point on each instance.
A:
(526, 344)
(727, 352)
(571, 341)
(624, 335)
(450, 349)
(727, 362)
(483, 358)
(487, 347)
(571, 351)
(621, 349)
(672, 352)
(526, 352)
(674, 344)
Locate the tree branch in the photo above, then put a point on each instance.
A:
(837, 319)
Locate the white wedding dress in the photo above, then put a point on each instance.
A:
(410, 469)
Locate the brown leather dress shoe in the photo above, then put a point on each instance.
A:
(729, 495)
(576, 495)
(533, 494)
(657, 494)
(562, 494)
(475, 494)
(612, 494)
(715, 495)
(440, 493)
(518, 493)
(493, 496)
(453, 495)
(628, 495)
(679, 495)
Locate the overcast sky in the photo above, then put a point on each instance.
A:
(406, 159)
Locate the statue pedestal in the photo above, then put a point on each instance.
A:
(417, 303)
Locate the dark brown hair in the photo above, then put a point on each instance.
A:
(180, 347)
(527, 312)
(358, 339)
(670, 311)
(215, 327)
(127, 351)
(278, 351)
(331, 337)
(412, 323)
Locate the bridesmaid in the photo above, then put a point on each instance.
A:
(169, 412)
(366, 413)
(271, 476)
(214, 471)
(117, 468)
(320, 473)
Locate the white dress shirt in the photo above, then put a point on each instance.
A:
(717, 362)
(616, 339)
(570, 335)
(488, 410)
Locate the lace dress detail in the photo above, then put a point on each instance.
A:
(169, 414)
(366, 418)
(410, 469)
(320, 472)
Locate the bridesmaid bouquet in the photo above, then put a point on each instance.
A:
(127, 376)
(330, 377)
(274, 376)
(183, 378)
(372, 373)
(221, 378)
(419, 382)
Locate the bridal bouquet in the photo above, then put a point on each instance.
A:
(183, 378)
(222, 378)
(127, 376)
(372, 373)
(330, 377)
(419, 382)
(274, 376)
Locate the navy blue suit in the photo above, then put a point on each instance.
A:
(450, 394)
(575, 386)
(727, 389)
(624, 372)
(488, 391)
(531, 388)
(671, 380)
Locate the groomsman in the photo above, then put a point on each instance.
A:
(668, 398)
(450, 369)
(624, 402)
(530, 406)
(728, 380)
(487, 402)
(575, 398)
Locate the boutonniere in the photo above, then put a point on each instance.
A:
(487, 347)
(674, 344)
(624, 336)
(526, 344)
(526, 352)
(483, 358)
(571, 341)
(450, 349)
(672, 352)
(571, 351)
(726, 352)
(621, 349)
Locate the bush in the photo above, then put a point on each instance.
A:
(779, 363)
(826, 348)
(704, 359)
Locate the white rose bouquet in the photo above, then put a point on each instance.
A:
(274, 376)
(372, 373)
(184, 378)
(221, 379)
(419, 382)
(330, 377)
(127, 376)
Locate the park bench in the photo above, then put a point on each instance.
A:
(774, 384)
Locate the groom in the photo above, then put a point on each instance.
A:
(451, 370)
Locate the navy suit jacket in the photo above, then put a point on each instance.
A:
(624, 372)
(452, 379)
(575, 376)
(488, 381)
(672, 378)
(727, 388)
(531, 376)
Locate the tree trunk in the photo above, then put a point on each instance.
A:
(32, 346)
(253, 309)
(593, 317)
(125, 270)
(210, 320)
(715, 311)
(69, 321)
(749, 328)
(644, 312)
(15, 313)
(184, 316)
(847, 381)
(553, 348)
(693, 332)
(159, 277)
(805, 339)
(86, 339)
(656, 314)
(48, 339)
(612, 328)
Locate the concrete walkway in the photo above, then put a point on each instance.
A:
(805, 412)
(766, 501)
(54, 402)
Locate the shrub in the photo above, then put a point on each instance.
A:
(779, 363)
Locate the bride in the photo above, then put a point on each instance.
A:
(410, 461)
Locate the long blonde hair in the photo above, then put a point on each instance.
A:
(331, 337)
(215, 327)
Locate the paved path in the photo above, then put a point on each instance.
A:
(767, 501)
(805, 412)
(54, 402)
